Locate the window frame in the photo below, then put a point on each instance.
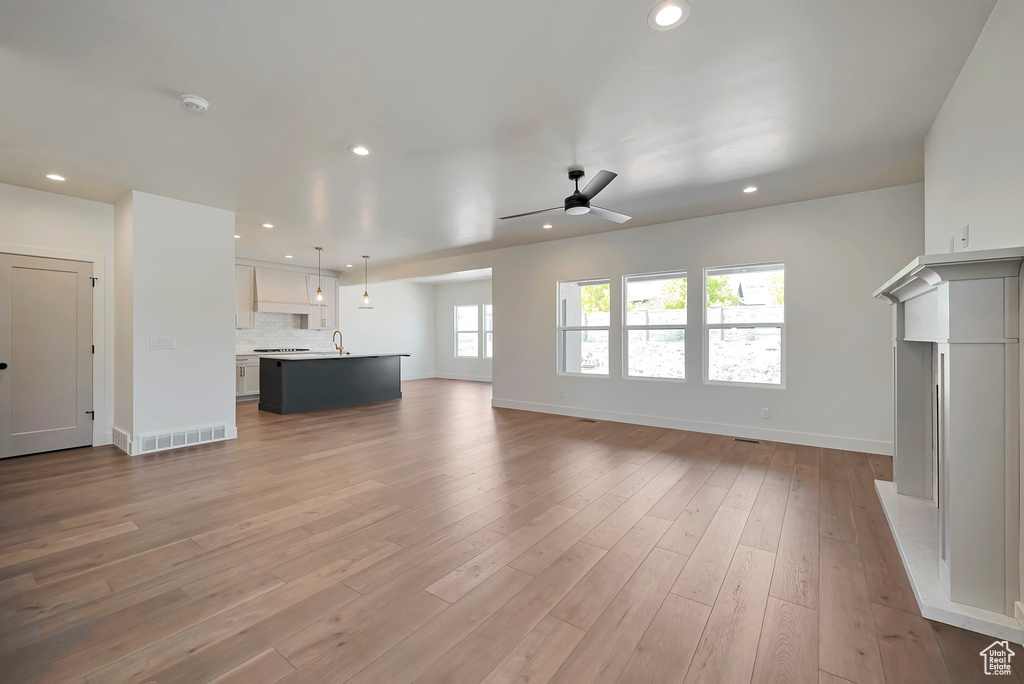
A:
(626, 327)
(487, 331)
(455, 349)
(561, 328)
(708, 327)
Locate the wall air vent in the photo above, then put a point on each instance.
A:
(121, 441)
(171, 440)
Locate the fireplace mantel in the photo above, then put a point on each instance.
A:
(954, 503)
(927, 272)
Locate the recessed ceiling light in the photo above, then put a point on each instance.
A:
(288, 256)
(268, 225)
(56, 177)
(237, 236)
(750, 188)
(668, 15)
(361, 150)
(348, 265)
(547, 226)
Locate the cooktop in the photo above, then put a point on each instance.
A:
(284, 349)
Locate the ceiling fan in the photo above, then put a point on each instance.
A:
(578, 203)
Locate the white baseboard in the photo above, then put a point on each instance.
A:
(787, 436)
(419, 376)
(474, 378)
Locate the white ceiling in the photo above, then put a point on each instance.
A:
(473, 109)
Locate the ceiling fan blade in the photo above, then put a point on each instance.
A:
(598, 183)
(609, 215)
(529, 213)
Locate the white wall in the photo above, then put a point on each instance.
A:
(402, 321)
(124, 342)
(837, 251)
(974, 152)
(446, 297)
(182, 287)
(46, 224)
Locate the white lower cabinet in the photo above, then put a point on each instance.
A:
(247, 376)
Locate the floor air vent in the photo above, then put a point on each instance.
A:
(740, 439)
(588, 420)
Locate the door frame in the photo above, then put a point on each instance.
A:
(101, 433)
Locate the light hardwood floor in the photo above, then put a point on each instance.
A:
(437, 539)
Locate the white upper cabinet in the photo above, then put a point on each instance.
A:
(245, 294)
(322, 315)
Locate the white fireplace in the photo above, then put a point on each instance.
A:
(954, 504)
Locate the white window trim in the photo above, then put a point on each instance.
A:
(708, 327)
(561, 329)
(479, 340)
(671, 326)
(484, 329)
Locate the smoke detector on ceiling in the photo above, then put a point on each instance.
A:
(195, 103)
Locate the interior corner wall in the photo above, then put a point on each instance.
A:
(39, 223)
(179, 258)
(400, 322)
(837, 251)
(446, 297)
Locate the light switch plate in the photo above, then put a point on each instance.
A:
(161, 343)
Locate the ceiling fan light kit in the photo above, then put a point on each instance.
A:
(578, 203)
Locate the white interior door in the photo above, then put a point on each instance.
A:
(45, 354)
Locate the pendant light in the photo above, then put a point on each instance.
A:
(366, 293)
(319, 278)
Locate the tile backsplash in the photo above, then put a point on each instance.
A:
(277, 330)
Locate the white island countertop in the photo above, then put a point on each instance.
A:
(319, 356)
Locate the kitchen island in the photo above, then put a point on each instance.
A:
(292, 383)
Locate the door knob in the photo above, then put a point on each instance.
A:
(3, 365)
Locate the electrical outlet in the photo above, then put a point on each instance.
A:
(561, 395)
(766, 413)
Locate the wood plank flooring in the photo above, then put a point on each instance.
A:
(435, 539)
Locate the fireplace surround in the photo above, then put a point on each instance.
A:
(954, 503)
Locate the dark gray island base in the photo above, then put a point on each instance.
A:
(292, 383)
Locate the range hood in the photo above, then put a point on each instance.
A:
(279, 291)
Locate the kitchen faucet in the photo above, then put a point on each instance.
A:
(339, 347)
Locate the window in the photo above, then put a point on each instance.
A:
(488, 332)
(655, 325)
(467, 331)
(744, 316)
(584, 320)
